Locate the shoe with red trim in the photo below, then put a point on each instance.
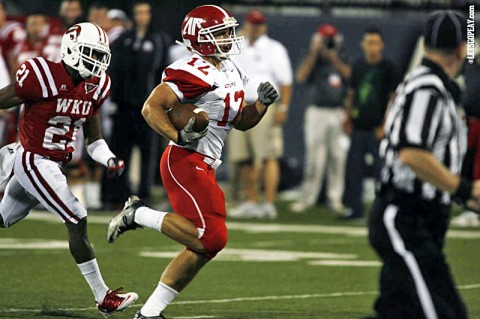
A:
(116, 300)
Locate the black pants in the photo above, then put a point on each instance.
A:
(361, 143)
(130, 129)
(415, 281)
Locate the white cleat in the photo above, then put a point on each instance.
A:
(466, 219)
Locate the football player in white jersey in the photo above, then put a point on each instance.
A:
(212, 82)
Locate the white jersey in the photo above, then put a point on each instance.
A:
(218, 91)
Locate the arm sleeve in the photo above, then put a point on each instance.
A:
(100, 152)
(422, 117)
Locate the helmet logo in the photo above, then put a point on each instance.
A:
(74, 32)
(191, 25)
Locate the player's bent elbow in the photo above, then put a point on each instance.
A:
(145, 111)
(241, 128)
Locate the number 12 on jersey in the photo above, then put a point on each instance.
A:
(238, 96)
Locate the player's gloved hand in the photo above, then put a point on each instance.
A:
(266, 93)
(115, 167)
(188, 136)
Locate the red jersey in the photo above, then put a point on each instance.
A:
(55, 108)
(11, 34)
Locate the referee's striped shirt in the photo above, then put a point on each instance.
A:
(423, 115)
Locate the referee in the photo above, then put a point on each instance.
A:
(422, 153)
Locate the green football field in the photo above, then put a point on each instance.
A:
(300, 266)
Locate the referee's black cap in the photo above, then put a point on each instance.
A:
(445, 29)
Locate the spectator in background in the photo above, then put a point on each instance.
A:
(12, 33)
(118, 22)
(70, 12)
(37, 28)
(138, 58)
(326, 73)
(258, 150)
(373, 82)
(97, 13)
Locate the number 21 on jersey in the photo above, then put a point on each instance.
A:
(22, 74)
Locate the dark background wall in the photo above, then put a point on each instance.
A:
(168, 14)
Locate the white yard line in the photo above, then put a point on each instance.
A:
(239, 299)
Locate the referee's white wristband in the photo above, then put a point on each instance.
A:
(100, 152)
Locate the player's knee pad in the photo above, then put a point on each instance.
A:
(215, 239)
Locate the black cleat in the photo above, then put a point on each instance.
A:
(139, 315)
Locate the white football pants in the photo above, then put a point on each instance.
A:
(37, 179)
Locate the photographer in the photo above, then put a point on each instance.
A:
(326, 73)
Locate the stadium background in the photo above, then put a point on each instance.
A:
(292, 23)
(300, 266)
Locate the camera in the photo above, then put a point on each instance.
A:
(329, 42)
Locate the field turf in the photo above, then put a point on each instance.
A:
(299, 266)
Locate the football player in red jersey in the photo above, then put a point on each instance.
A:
(58, 99)
(211, 81)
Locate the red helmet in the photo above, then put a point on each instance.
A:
(199, 27)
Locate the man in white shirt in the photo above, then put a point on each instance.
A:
(258, 150)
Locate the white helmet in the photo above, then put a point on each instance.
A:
(85, 48)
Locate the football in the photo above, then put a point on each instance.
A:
(180, 114)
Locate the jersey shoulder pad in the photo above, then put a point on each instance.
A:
(35, 79)
(190, 77)
(196, 66)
